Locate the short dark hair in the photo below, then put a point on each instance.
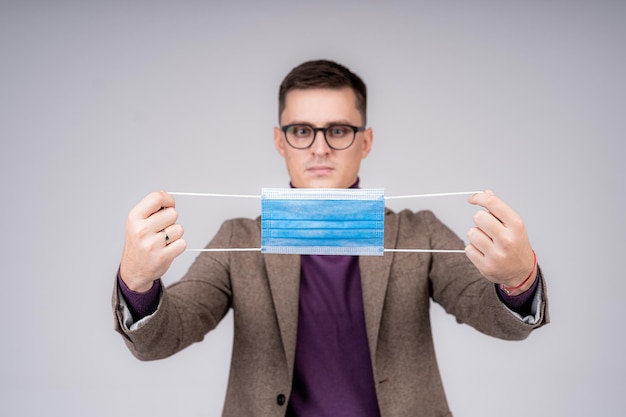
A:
(323, 74)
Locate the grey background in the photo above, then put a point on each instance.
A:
(103, 102)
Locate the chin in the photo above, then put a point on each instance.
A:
(325, 184)
(318, 183)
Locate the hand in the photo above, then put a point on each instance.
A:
(153, 240)
(499, 245)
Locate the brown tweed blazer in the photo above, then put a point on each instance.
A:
(262, 290)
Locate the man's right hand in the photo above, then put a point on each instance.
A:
(153, 240)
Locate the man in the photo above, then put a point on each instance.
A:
(328, 335)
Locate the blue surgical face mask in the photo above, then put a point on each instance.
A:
(322, 221)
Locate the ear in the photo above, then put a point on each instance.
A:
(279, 141)
(368, 138)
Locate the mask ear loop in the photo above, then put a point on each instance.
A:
(423, 196)
(386, 198)
(432, 195)
(214, 195)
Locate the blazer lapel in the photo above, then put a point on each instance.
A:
(283, 272)
(375, 272)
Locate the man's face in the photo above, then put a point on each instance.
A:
(321, 166)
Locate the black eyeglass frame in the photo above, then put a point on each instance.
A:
(355, 129)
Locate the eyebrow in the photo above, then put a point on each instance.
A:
(332, 122)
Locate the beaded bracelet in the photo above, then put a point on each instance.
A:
(509, 290)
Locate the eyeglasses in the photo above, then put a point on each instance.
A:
(338, 137)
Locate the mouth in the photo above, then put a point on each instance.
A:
(319, 170)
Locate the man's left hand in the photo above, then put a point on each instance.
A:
(498, 244)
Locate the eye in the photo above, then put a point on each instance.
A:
(339, 131)
(301, 130)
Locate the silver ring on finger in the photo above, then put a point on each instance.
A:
(167, 238)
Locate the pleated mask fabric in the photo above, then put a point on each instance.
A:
(323, 221)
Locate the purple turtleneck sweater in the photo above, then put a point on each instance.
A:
(332, 372)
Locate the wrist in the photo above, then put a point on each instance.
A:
(141, 289)
(525, 284)
(137, 287)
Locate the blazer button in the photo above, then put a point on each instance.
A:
(281, 399)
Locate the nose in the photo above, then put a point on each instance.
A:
(319, 146)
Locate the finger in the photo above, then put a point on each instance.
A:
(166, 237)
(488, 223)
(153, 243)
(480, 240)
(475, 255)
(173, 233)
(495, 206)
(151, 204)
(473, 251)
(162, 219)
(175, 248)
